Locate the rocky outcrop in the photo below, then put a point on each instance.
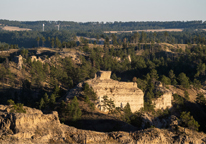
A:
(36, 127)
(75, 56)
(120, 60)
(165, 100)
(34, 58)
(19, 61)
(120, 92)
(30, 124)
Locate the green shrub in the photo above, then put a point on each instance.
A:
(108, 104)
(186, 95)
(178, 99)
(188, 121)
(89, 103)
(73, 110)
(88, 91)
(148, 107)
(17, 108)
(136, 119)
(200, 98)
(10, 102)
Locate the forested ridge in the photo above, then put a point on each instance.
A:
(42, 85)
(101, 26)
(68, 30)
(175, 59)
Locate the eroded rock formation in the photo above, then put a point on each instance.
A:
(165, 100)
(36, 127)
(19, 61)
(34, 58)
(120, 92)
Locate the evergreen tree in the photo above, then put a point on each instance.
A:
(38, 39)
(166, 35)
(52, 99)
(188, 121)
(52, 42)
(201, 99)
(127, 113)
(43, 40)
(46, 99)
(108, 104)
(197, 84)
(165, 80)
(73, 109)
(184, 80)
(41, 103)
(186, 95)
(114, 40)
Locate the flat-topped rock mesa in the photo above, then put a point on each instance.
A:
(120, 92)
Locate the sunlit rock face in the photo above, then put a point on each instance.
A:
(165, 100)
(120, 92)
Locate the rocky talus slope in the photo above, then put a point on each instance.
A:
(36, 127)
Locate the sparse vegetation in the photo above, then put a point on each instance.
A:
(188, 121)
(44, 83)
(16, 108)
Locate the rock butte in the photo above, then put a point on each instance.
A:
(120, 92)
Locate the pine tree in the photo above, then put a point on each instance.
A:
(38, 39)
(43, 40)
(186, 95)
(46, 98)
(184, 80)
(108, 104)
(52, 99)
(127, 113)
(41, 103)
(87, 100)
(73, 109)
(52, 42)
(188, 121)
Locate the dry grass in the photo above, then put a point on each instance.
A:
(7, 53)
(148, 30)
(180, 91)
(42, 49)
(182, 46)
(12, 28)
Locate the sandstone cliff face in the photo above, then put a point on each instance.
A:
(165, 100)
(120, 92)
(36, 127)
(29, 124)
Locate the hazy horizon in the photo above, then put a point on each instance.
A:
(103, 11)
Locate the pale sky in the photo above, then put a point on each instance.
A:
(103, 10)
